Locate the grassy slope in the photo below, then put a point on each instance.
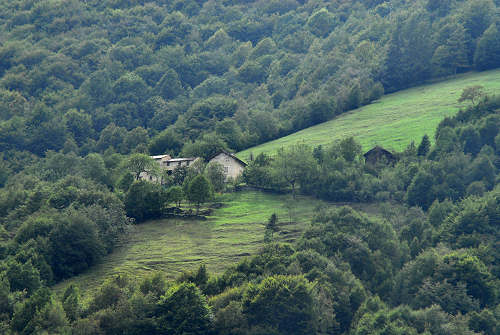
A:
(393, 121)
(234, 231)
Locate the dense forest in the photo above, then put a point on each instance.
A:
(171, 76)
(89, 88)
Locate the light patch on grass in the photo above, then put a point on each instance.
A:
(394, 121)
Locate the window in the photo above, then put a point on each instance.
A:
(179, 164)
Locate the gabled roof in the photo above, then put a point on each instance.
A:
(378, 149)
(230, 155)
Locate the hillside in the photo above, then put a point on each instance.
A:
(172, 76)
(90, 90)
(424, 254)
(174, 246)
(393, 121)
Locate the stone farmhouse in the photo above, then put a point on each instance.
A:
(232, 165)
(161, 158)
(174, 163)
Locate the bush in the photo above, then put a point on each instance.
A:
(145, 200)
(74, 245)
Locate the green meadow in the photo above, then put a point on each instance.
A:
(172, 246)
(393, 121)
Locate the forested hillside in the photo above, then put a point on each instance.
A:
(88, 76)
(89, 88)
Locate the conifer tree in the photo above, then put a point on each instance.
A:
(424, 146)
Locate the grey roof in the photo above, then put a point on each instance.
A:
(159, 156)
(180, 159)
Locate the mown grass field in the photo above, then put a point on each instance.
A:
(172, 246)
(393, 121)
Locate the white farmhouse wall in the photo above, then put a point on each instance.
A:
(232, 168)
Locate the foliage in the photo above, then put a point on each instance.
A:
(280, 303)
(360, 241)
(418, 192)
(175, 194)
(472, 93)
(271, 228)
(379, 319)
(126, 76)
(145, 201)
(424, 146)
(216, 176)
(199, 191)
(89, 89)
(139, 163)
(74, 245)
(486, 54)
(184, 310)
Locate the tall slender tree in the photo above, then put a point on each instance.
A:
(424, 146)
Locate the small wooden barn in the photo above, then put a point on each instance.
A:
(379, 155)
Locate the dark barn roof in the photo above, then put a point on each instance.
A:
(378, 154)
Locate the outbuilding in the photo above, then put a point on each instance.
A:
(379, 155)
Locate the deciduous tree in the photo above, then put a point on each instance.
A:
(199, 191)
(487, 55)
(176, 195)
(472, 93)
(139, 163)
(215, 173)
(184, 310)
